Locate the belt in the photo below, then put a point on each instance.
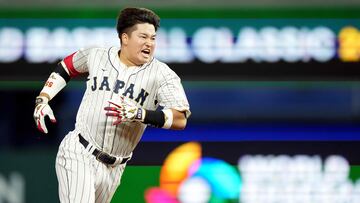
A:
(103, 156)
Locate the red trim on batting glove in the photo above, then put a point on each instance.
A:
(70, 65)
(40, 128)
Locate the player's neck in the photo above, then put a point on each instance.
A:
(125, 60)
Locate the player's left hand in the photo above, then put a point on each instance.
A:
(124, 111)
(43, 109)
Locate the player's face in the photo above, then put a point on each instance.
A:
(141, 43)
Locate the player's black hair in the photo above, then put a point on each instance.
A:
(129, 17)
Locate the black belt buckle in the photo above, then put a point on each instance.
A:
(105, 158)
(100, 155)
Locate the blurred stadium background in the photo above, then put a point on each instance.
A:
(273, 86)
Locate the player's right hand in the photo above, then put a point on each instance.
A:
(124, 111)
(43, 109)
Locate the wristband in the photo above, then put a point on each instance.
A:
(154, 118)
(53, 85)
(168, 114)
(159, 119)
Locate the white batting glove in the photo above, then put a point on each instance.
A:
(124, 111)
(42, 109)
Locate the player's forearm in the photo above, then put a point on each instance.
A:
(55, 83)
(168, 119)
(179, 120)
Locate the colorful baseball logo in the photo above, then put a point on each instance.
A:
(188, 177)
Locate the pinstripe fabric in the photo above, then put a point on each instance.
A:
(75, 177)
(108, 78)
(83, 179)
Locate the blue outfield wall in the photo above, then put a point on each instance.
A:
(273, 103)
(256, 132)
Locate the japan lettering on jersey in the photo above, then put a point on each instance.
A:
(151, 85)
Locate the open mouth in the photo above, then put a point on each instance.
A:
(146, 51)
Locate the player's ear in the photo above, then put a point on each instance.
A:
(124, 38)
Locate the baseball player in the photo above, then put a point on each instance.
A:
(126, 90)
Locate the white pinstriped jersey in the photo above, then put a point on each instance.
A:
(151, 85)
